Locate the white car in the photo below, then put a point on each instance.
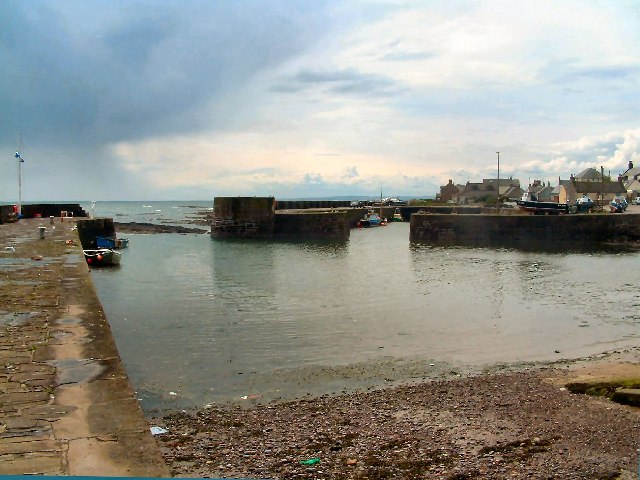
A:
(636, 201)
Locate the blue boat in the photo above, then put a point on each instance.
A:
(111, 242)
(618, 205)
(372, 219)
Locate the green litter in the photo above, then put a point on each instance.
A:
(311, 461)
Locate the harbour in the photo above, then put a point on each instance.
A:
(209, 325)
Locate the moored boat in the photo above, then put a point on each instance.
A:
(111, 242)
(618, 205)
(102, 257)
(372, 219)
(529, 203)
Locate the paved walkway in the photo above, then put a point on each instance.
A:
(66, 405)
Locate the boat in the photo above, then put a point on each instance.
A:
(397, 216)
(372, 219)
(583, 205)
(618, 205)
(102, 257)
(111, 242)
(530, 203)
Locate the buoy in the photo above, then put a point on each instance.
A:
(99, 257)
(89, 260)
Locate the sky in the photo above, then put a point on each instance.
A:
(186, 99)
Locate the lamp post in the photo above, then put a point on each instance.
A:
(20, 162)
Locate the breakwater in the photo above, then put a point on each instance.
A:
(526, 231)
(256, 217)
(34, 210)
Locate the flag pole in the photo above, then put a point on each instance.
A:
(20, 162)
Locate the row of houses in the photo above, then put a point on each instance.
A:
(590, 182)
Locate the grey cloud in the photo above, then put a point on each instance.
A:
(343, 82)
(97, 72)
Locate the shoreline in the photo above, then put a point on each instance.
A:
(514, 421)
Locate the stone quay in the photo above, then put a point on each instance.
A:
(66, 403)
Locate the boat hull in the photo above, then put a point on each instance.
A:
(102, 257)
(543, 208)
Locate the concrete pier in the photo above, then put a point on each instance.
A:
(66, 404)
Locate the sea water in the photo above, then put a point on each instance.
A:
(198, 320)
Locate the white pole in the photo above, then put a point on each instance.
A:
(20, 161)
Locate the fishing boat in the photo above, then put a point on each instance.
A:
(102, 257)
(371, 219)
(618, 205)
(111, 242)
(583, 205)
(530, 203)
(397, 216)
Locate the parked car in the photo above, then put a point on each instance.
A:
(636, 201)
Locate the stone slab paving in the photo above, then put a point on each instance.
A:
(66, 404)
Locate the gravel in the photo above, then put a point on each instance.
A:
(498, 426)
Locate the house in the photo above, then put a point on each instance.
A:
(568, 191)
(565, 192)
(488, 189)
(631, 181)
(448, 191)
(588, 175)
(474, 193)
(596, 191)
(512, 193)
(540, 191)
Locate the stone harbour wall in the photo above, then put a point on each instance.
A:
(526, 231)
(313, 225)
(237, 217)
(89, 229)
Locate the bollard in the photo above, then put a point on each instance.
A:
(51, 219)
(42, 230)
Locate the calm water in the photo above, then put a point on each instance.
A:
(198, 320)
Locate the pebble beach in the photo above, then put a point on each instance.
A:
(517, 425)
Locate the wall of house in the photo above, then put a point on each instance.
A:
(526, 231)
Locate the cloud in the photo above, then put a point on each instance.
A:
(182, 98)
(338, 82)
(350, 173)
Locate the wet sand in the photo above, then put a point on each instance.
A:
(520, 424)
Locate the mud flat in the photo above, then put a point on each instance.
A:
(66, 404)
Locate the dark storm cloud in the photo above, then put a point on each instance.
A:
(98, 72)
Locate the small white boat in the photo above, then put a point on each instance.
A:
(102, 257)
